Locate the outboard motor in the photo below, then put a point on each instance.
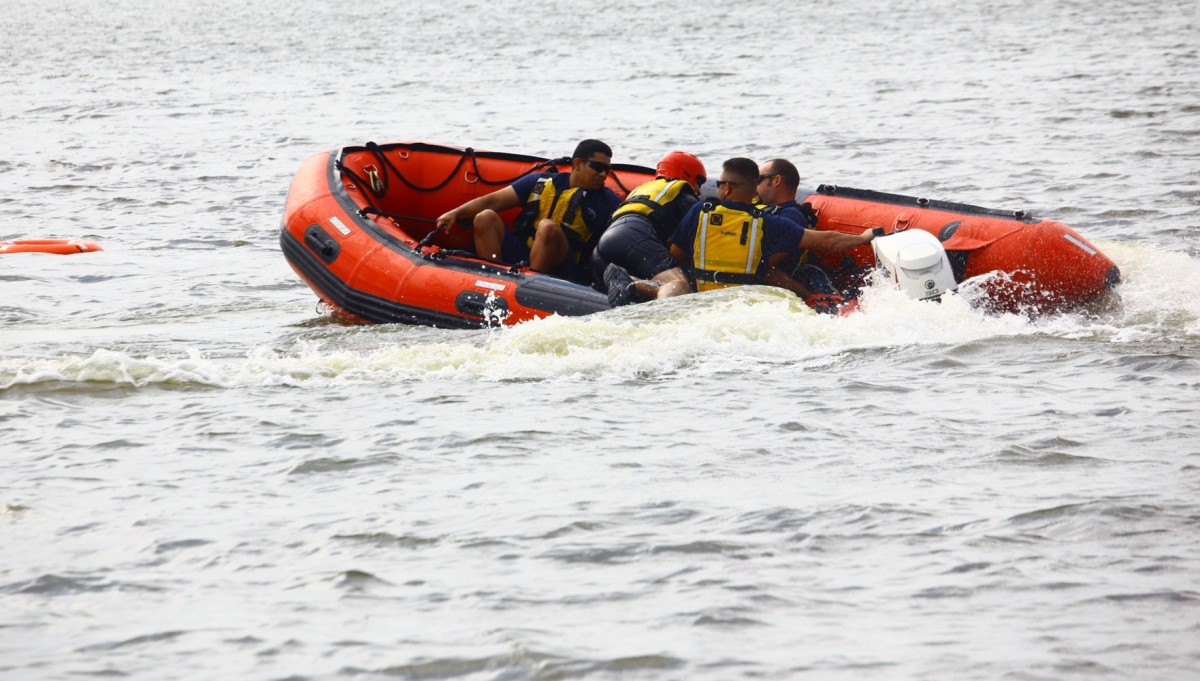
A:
(916, 262)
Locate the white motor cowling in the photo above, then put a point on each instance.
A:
(915, 261)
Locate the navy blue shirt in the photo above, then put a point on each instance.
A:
(780, 235)
(792, 211)
(597, 206)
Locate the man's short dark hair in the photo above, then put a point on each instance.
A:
(586, 148)
(743, 171)
(786, 172)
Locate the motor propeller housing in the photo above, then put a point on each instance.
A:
(915, 261)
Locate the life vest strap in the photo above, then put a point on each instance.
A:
(645, 201)
(719, 277)
(754, 212)
(523, 225)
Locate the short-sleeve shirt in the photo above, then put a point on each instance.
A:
(780, 235)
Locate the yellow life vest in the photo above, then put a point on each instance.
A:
(728, 247)
(650, 197)
(546, 201)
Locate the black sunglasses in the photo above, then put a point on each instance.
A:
(722, 183)
(599, 166)
(766, 177)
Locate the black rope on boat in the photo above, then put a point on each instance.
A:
(383, 180)
(349, 173)
(541, 166)
(468, 152)
(371, 210)
(429, 237)
(440, 254)
(386, 164)
(427, 240)
(419, 188)
(617, 178)
(420, 246)
(922, 202)
(535, 168)
(358, 182)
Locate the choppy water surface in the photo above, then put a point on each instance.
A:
(204, 477)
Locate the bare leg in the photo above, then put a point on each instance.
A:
(666, 284)
(549, 247)
(672, 282)
(489, 233)
(646, 289)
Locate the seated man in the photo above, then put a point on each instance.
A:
(731, 242)
(636, 239)
(778, 181)
(563, 215)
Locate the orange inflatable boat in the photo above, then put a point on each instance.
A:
(55, 246)
(1037, 266)
(358, 228)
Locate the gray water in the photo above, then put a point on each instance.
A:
(206, 477)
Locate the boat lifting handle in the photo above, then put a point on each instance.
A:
(902, 222)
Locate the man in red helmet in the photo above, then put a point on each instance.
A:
(635, 242)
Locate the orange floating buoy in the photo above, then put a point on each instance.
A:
(55, 246)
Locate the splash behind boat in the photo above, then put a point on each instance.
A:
(1044, 266)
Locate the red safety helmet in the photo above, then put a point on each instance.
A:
(680, 165)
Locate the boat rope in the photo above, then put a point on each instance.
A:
(372, 210)
(381, 178)
(440, 253)
(921, 202)
(468, 153)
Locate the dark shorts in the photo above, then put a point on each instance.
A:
(632, 243)
(513, 249)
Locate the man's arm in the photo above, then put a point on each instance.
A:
(499, 201)
(834, 242)
(679, 255)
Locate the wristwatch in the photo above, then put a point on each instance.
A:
(876, 232)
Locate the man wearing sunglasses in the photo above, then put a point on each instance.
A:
(730, 241)
(562, 216)
(778, 182)
(636, 239)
